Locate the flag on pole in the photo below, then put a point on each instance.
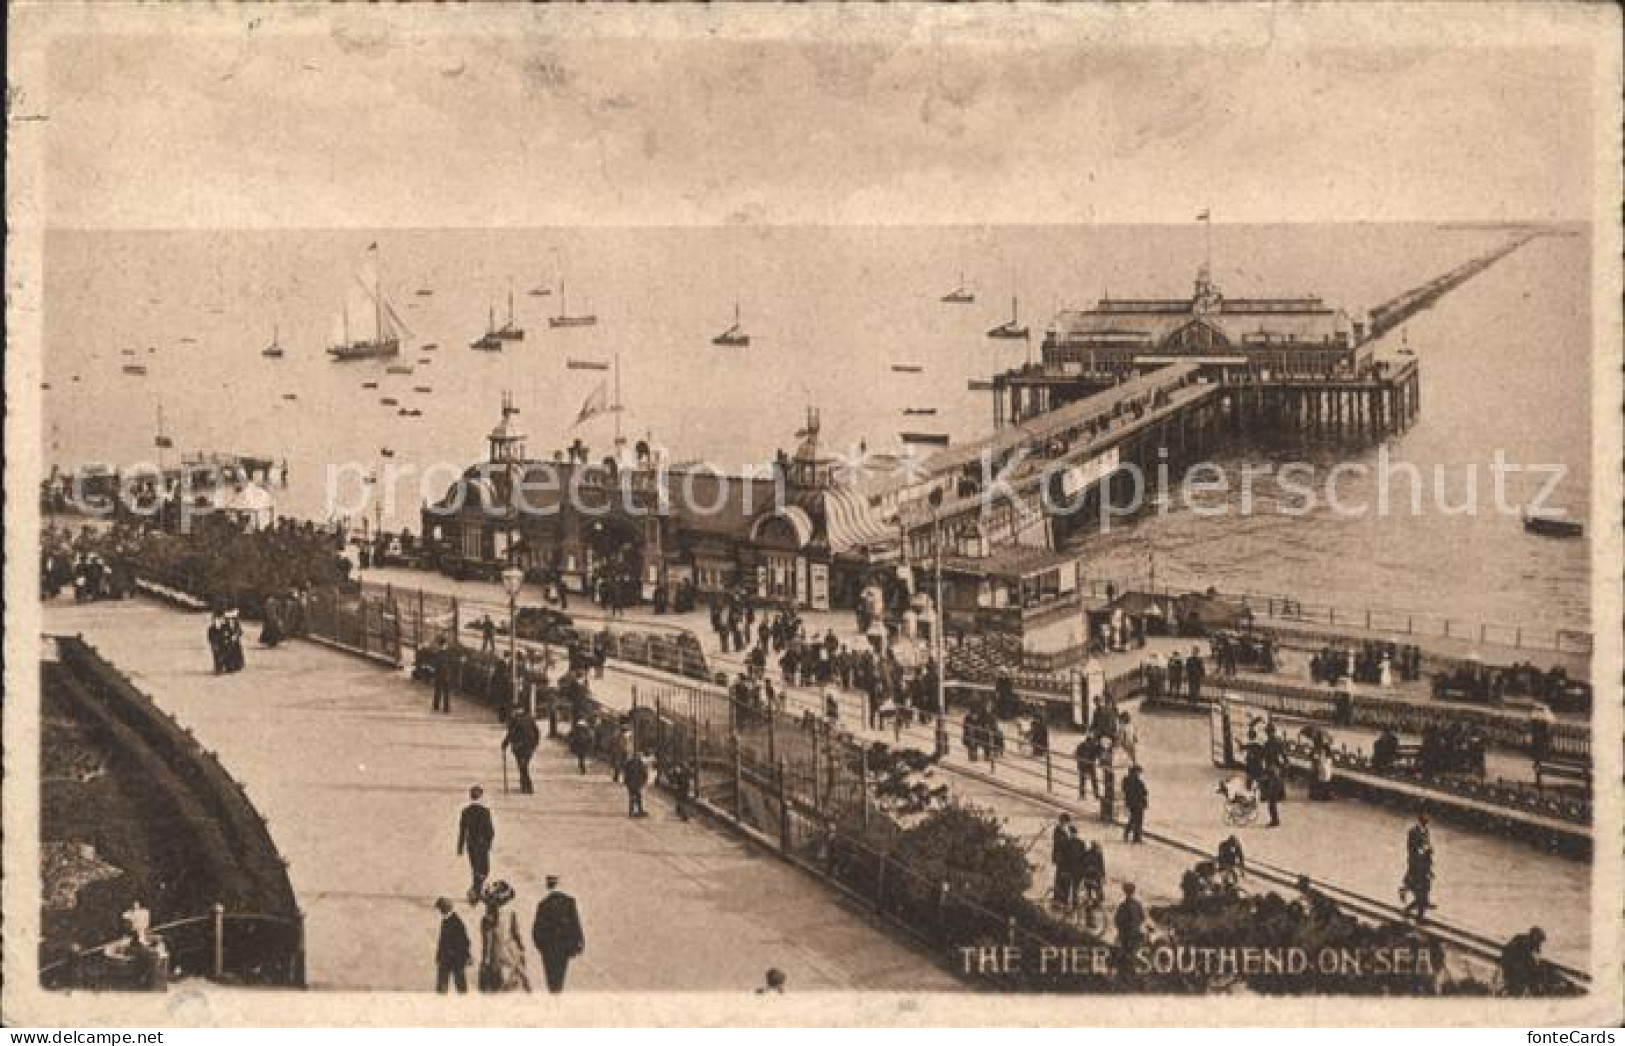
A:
(1205, 216)
(597, 402)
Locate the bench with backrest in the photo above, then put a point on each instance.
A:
(1559, 768)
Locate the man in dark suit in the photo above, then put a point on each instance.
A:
(1130, 921)
(557, 934)
(475, 834)
(636, 775)
(1136, 797)
(442, 677)
(451, 954)
(523, 737)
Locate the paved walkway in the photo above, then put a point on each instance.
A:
(1485, 882)
(361, 786)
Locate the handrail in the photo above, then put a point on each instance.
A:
(169, 927)
(1288, 609)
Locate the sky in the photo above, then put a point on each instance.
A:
(480, 116)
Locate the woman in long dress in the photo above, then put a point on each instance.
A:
(502, 946)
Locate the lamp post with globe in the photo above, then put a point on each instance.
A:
(512, 580)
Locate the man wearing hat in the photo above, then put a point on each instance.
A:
(451, 954)
(475, 834)
(557, 934)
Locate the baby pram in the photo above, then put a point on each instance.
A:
(1240, 801)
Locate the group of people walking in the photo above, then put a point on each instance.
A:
(1178, 677)
(556, 930)
(226, 641)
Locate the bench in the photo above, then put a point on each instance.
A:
(1575, 771)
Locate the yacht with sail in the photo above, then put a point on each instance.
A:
(383, 340)
(510, 331)
(959, 295)
(491, 340)
(734, 335)
(273, 350)
(564, 319)
(1012, 327)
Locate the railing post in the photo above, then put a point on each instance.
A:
(880, 884)
(784, 813)
(942, 903)
(816, 797)
(1517, 638)
(1447, 628)
(1408, 624)
(1368, 617)
(218, 951)
(739, 783)
(772, 742)
(1049, 772)
(1483, 630)
(863, 784)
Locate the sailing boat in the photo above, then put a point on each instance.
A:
(733, 335)
(273, 350)
(491, 340)
(162, 441)
(510, 331)
(959, 295)
(1012, 327)
(384, 339)
(564, 319)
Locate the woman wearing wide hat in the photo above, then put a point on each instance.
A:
(502, 948)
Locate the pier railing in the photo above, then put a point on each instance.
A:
(1339, 622)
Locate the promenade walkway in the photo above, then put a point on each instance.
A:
(1493, 885)
(361, 786)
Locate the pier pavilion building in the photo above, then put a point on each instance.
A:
(797, 534)
(1267, 339)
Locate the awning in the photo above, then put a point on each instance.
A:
(851, 524)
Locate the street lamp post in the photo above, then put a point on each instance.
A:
(512, 579)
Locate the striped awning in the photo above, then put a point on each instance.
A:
(851, 524)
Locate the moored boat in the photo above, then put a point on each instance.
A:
(1553, 526)
(734, 336)
(586, 365)
(383, 339)
(928, 439)
(959, 295)
(565, 319)
(510, 331)
(1012, 327)
(273, 350)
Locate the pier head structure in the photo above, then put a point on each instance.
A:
(1285, 363)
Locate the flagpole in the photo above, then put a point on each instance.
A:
(619, 442)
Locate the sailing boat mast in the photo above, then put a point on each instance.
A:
(378, 301)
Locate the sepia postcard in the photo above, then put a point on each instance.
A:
(839, 515)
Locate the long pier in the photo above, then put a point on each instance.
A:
(1397, 310)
